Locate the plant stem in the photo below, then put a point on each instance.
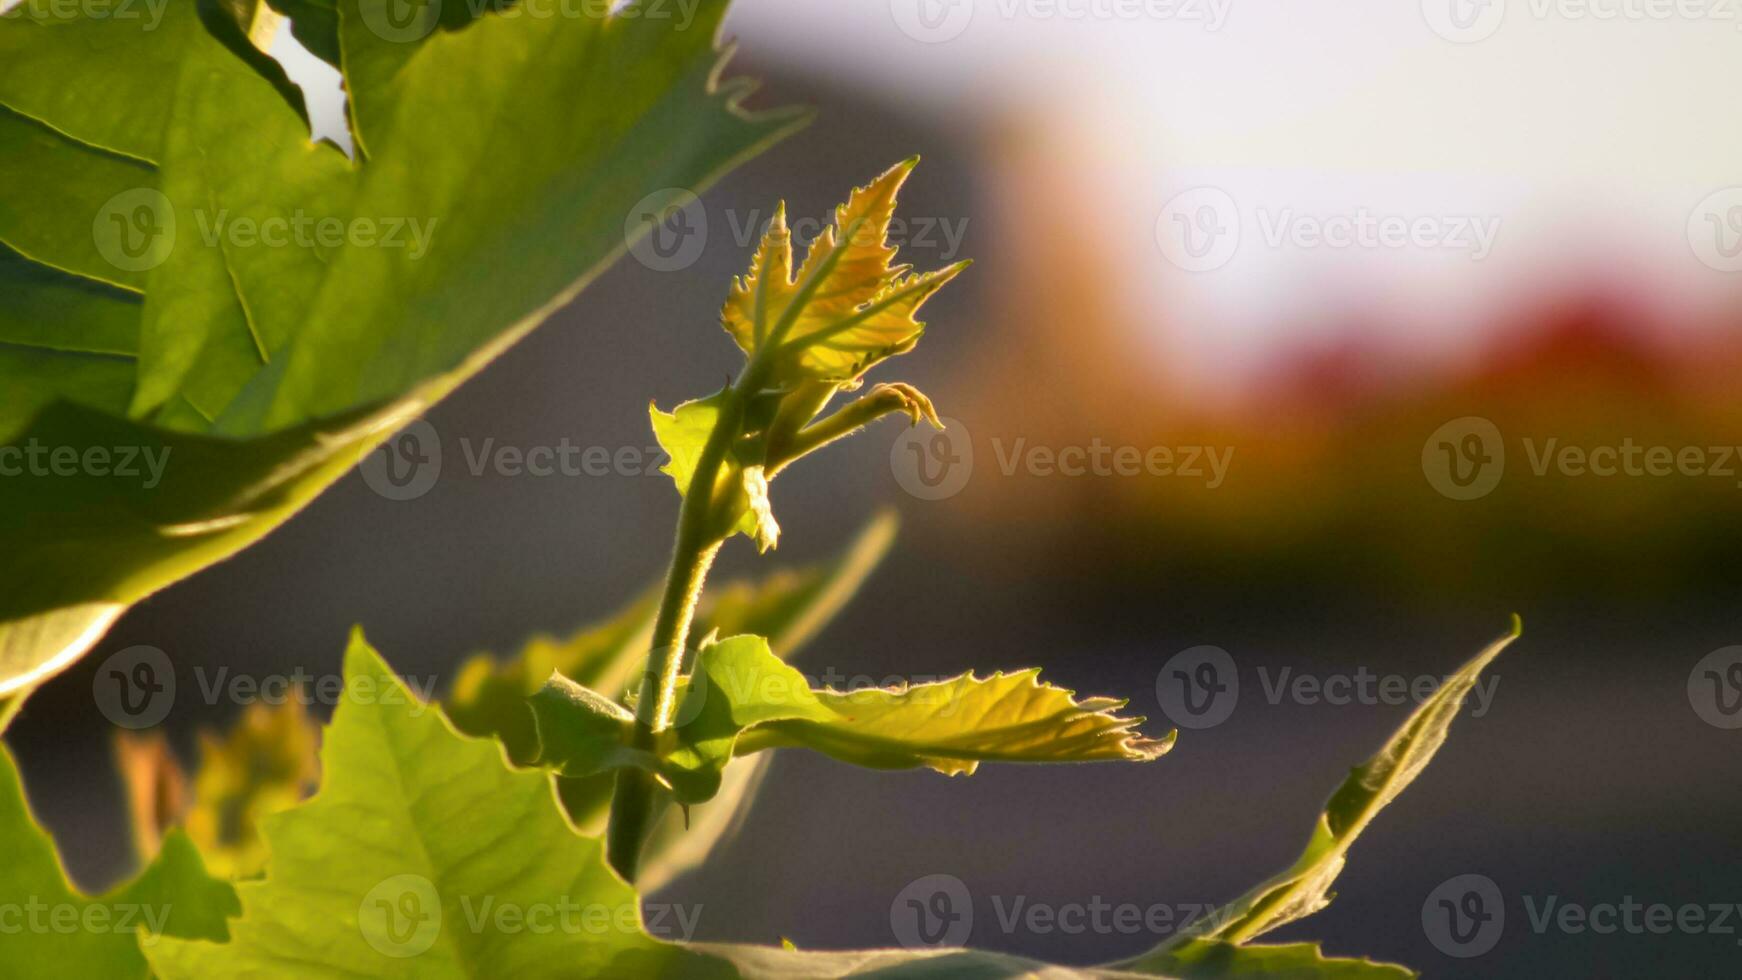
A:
(838, 426)
(697, 543)
(692, 555)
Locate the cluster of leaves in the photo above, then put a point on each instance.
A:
(266, 373)
(412, 812)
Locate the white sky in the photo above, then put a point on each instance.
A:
(1585, 135)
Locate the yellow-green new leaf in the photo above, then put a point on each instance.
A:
(740, 492)
(954, 725)
(742, 699)
(1208, 959)
(1305, 887)
(850, 305)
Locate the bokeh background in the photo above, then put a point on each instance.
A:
(1141, 186)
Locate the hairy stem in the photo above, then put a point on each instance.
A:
(836, 427)
(698, 540)
(632, 805)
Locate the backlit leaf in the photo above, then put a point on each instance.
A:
(173, 897)
(849, 305)
(400, 865)
(741, 699)
(1305, 887)
(299, 359)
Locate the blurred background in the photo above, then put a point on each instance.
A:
(1417, 315)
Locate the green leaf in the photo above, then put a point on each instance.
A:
(402, 864)
(420, 839)
(580, 737)
(740, 490)
(954, 725)
(62, 337)
(99, 80)
(75, 935)
(81, 547)
(248, 250)
(1209, 959)
(58, 198)
(1305, 887)
(489, 696)
(588, 115)
(305, 359)
(741, 699)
